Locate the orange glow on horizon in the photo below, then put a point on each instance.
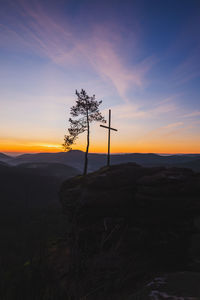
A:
(29, 147)
(37, 147)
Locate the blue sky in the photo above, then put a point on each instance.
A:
(140, 57)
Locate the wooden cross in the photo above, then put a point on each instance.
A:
(109, 129)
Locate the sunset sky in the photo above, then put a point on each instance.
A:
(141, 58)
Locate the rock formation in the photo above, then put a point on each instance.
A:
(127, 224)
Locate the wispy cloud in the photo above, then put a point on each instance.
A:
(128, 111)
(173, 125)
(53, 37)
(112, 66)
(165, 131)
(192, 114)
(133, 111)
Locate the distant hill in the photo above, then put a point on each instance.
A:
(20, 188)
(151, 159)
(194, 165)
(72, 158)
(4, 157)
(75, 159)
(29, 201)
(48, 169)
(2, 163)
(30, 216)
(31, 184)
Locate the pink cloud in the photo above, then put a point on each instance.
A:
(104, 51)
(132, 111)
(54, 38)
(192, 114)
(39, 32)
(173, 125)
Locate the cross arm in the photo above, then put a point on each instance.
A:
(108, 127)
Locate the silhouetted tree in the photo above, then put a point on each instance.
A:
(88, 108)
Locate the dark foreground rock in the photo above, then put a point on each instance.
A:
(127, 225)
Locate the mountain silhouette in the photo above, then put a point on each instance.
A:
(75, 159)
(4, 157)
(194, 165)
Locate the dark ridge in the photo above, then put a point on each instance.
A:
(75, 158)
(4, 156)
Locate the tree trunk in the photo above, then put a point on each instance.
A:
(87, 148)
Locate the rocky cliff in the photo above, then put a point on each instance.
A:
(129, 225)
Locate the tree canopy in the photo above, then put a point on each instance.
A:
(85, 111)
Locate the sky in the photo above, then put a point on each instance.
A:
(141, 58)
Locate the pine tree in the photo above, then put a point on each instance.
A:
(87, 109)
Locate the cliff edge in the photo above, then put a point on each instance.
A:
(127, 226)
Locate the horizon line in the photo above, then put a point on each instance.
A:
(13, 153)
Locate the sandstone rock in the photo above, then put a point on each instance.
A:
(128, 222)
(173, 286)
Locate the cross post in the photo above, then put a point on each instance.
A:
(109, 129)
